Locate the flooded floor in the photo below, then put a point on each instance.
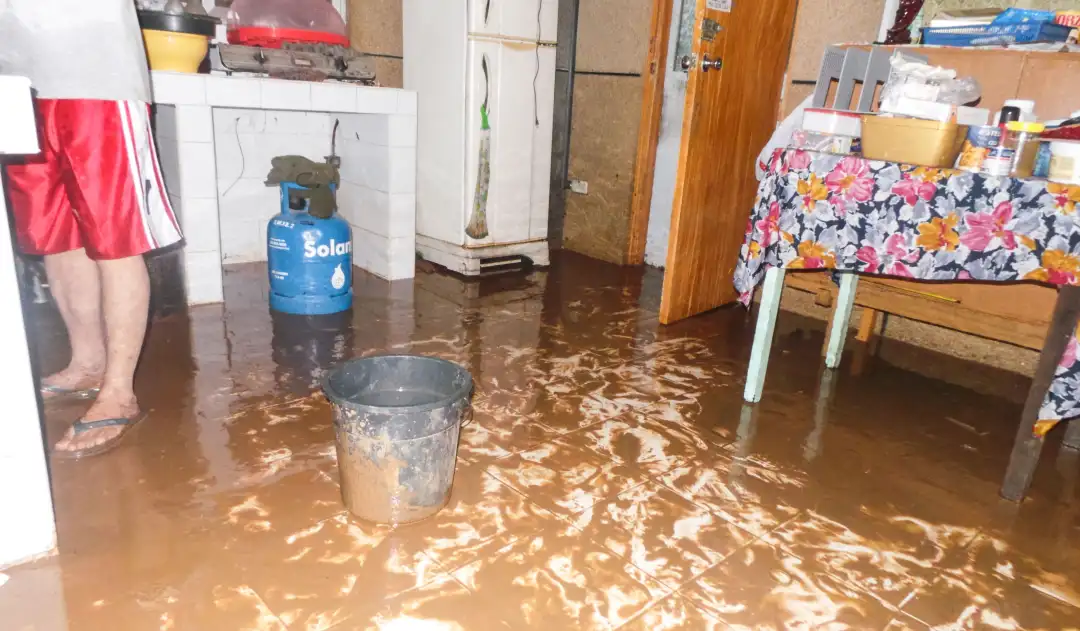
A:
(611, 478)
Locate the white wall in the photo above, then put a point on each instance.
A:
(27, 529)
(667, 152)
(378, 180)
(245, 140)
(378, 191)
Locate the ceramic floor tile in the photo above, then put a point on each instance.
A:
(638, 440)
(280, 505)
(674, 613)
(754, 497)
(557, 579)
(905, 623)
(179, 585)
(489, 438)
(662, 533)
(441, 604)
(762, 587)
(889, 556)
(563, 478)
(482, 516)
(997, 587)
(333, 571)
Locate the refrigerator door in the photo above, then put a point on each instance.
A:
(520, 149)
(514, 19)
(435, 66)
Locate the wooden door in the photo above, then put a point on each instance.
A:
(730, 114)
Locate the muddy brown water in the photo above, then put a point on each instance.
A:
(612, 477)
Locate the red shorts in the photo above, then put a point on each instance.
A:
(96, 183)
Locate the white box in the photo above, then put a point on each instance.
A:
(828, 121)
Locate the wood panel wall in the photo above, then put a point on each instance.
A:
(612, 41)
(375, 28)
(822, 23)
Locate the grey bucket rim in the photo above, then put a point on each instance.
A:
(460, 393)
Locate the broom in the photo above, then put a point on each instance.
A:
(477, 226)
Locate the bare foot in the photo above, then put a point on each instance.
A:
(72, 378)
(106, 406)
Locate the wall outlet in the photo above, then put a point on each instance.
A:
(581, 187)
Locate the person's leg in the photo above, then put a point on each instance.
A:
(124, 212)
(45, 224)
(74, 281)
(125, 285)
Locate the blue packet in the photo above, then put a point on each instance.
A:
(1023, 16)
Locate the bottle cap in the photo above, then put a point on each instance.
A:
(1009, 113)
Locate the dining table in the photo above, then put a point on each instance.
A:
(853, 216)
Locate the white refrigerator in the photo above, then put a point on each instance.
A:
(481, 191)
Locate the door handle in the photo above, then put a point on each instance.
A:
(710, 64)
(689, 62)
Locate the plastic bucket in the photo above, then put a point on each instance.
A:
(396, 421)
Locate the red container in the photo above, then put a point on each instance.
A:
(272, 37)
(270, 23)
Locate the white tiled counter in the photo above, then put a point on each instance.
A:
(217, 134)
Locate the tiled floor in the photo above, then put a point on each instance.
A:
(612, 478)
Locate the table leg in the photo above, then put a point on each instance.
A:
(771, 290)
(845, 301)
(1072, 435)
(868, 325)
(812, 444)
(1026, 449)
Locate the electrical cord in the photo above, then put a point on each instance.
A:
(243, 164)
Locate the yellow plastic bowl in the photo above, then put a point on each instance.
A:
(178, 52)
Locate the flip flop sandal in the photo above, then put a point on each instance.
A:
(80, 427)
(60, 392)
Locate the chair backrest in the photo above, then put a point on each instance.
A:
(851, 66)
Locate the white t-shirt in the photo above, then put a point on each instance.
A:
(75, 49)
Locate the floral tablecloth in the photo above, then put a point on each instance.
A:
(817, 210)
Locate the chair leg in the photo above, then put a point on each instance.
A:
(1028, 446)
(841, 319)
(771, 290)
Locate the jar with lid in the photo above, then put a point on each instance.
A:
(1015, 152)
(1024, 140)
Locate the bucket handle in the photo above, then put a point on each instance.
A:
(468, 414)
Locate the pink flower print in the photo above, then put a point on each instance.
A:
(913, 189)
(896, 246)
(898, 257)
(983, 227)
(799, 160)
(1068, 358)
(868, 255)
(770, 225)
(849, 179)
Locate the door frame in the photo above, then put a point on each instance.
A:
(652, 105)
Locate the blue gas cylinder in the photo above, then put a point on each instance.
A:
(310, 260)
